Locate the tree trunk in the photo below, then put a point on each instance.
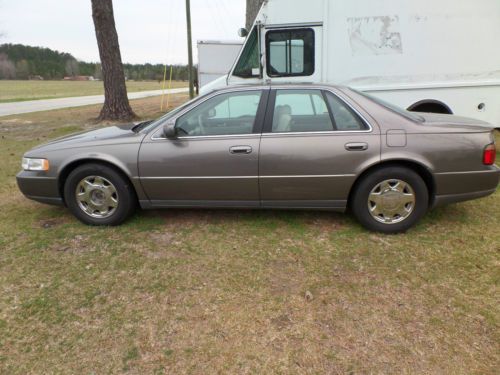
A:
(116, 105)
(253, 7)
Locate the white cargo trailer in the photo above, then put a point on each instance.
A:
(215, 59)
(426, 55)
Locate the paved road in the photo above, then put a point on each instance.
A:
(16, 108)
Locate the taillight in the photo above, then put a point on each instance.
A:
(489, 154)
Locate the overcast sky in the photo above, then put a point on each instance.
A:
(149, 30)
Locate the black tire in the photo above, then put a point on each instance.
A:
(360, 199)
(125, 193)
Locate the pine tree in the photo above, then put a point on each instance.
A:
(116, 104)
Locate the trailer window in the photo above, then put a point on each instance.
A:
(290, 53)
(248, 65)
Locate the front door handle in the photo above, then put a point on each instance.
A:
(361, 146)
(241, 150)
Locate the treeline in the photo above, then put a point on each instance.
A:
(18, 61)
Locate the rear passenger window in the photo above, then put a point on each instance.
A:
(301, 111)
(345, 118)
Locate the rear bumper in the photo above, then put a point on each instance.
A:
(39, 188)
(442, 200)
(464, 186)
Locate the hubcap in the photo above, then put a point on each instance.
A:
(391, 201)
(97, 197)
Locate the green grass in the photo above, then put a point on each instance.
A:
(206, 292)
(15, 91)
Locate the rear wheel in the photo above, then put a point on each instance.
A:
(390, 200)
(99, 195)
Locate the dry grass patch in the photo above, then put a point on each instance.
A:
(15, 91)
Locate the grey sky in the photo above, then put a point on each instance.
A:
(149, 30)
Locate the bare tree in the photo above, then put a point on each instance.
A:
(116, 104)
(253, 7)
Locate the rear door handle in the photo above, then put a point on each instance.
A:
(356, 146)
(241, 150)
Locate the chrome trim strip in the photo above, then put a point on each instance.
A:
(199, 178)
(466, 172)
(333, 132)
(237, 136)
(242, 177)
(312, 176)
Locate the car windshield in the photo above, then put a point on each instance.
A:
(170, 114)
(394, 108)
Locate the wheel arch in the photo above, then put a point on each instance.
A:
(422, 170)
(432, 106)
(72, 165)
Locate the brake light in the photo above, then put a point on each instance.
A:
(489, 154)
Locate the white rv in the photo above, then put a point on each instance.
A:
(427, 55)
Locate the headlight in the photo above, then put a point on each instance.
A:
(35, 164)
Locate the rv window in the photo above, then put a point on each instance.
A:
(249, 62)
(290, 53)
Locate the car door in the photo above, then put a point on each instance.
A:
(313, 147)
(214, 159)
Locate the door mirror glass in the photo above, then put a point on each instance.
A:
(242, 33)
(169, 130)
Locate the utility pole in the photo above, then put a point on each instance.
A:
(190, 49)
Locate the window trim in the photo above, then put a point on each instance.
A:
(268, 52)
(268, 121)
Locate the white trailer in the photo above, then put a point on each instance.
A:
(215, 59)
(427, 55)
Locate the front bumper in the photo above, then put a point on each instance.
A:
(40, 188)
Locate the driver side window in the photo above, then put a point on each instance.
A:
(225, 114)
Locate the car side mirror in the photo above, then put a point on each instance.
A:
(169, 130)
(242, 33)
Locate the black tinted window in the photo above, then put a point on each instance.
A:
(290, 53)
(345, 118)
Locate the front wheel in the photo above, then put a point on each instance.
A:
(98, 195)
(390, 200)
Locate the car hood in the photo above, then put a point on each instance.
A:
(457, 122)
(112, 134)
